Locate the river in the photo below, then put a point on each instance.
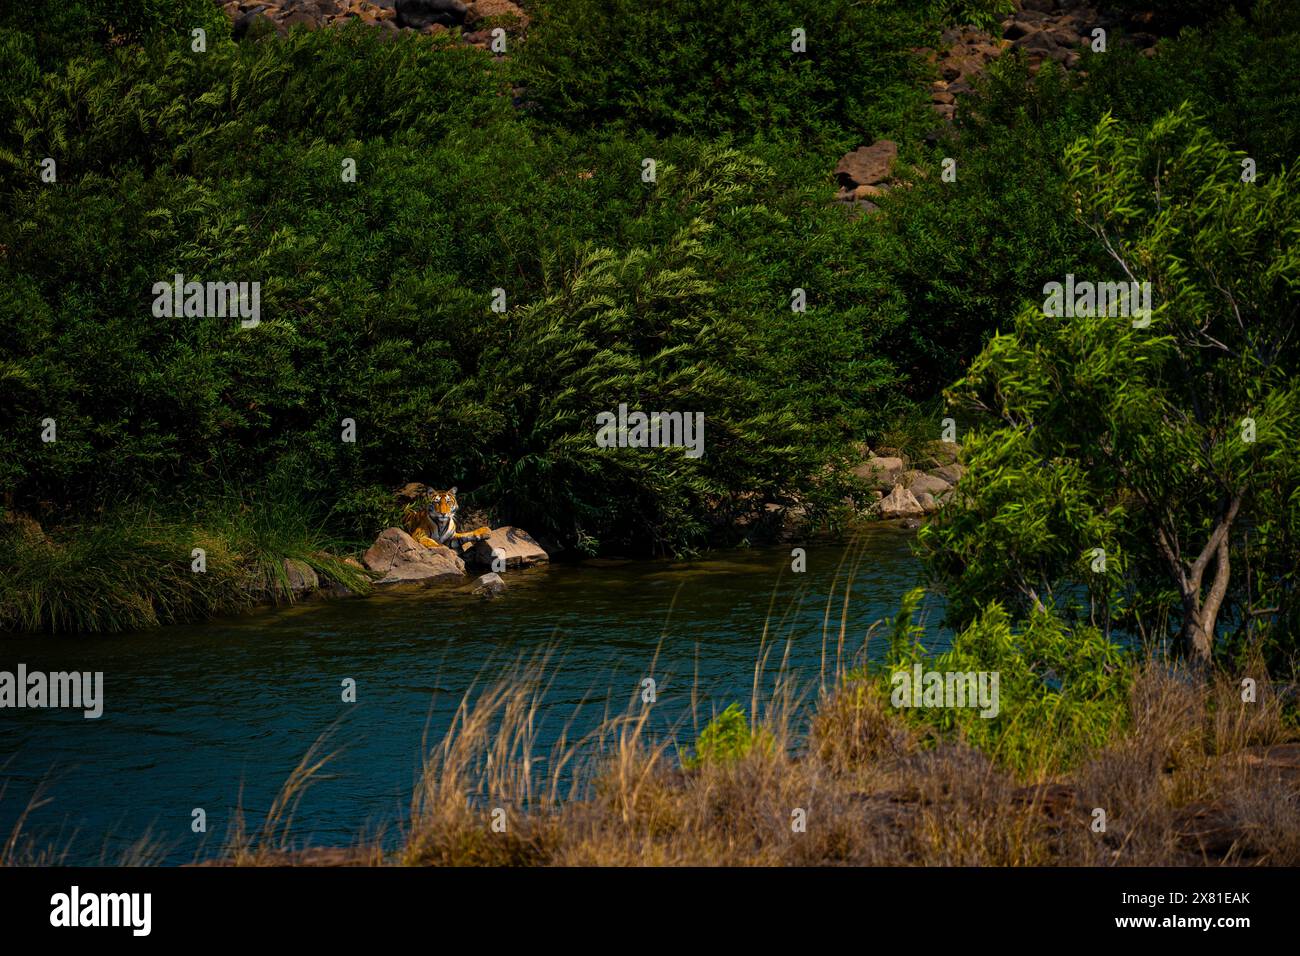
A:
(216, 715)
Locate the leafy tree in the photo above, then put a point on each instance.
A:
(1170, 447)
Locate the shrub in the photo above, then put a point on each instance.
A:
(709, 67)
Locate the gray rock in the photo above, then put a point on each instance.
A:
(928, 485)
(515, 545)
(488, 585)
(900, 503)
(302, 576)
(397, 557)
(254, 24)
(882, 471)
(951, 473)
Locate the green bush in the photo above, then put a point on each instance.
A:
(726, 739)
(63, 28)
(376, 295)
(1062, 691)
(711, 67)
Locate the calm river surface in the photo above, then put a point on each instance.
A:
(195, 714)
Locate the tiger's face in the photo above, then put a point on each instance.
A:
(442, 506)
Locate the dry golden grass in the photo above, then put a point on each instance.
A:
(1199, 778)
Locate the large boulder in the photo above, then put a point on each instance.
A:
(900, 503)
(951, 473)
(928, 485)
(882, 472)
(397, 556)
(419, 14)
(867, 165)
(515, 545)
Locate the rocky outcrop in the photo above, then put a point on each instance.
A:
(865, 175)
(907, 493)
(1056, 30)
(251, 20)
(514, 545)
(400, 560)
(882, 473)
(900, 503)
(928, 485)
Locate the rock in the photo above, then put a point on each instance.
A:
(911, 524)
(951, 473)
(944, 452)
(927, 502)
(867, 165)
(418, 14)
(514, 544)
(900, 503)
(928, 485)
(504, 9)
(960, 67)
(857, 208)
(882, 471)
(400, 560)
(302, 576)
(1018, 30)
(1042, 42)
(488, 585)
(302, 18)
(1066, 37)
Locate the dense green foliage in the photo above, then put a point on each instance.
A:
(1171, 446)
(955, 260)
(1062, 691)
(376, 295)
(726, 67)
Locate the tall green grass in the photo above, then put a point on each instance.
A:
(134, 567)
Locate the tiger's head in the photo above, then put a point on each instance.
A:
(442, 506)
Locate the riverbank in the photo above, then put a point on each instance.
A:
(138, 567)
(1192, 776)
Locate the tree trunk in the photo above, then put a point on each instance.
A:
(1200, 618)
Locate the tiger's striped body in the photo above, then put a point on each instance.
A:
(432, 520)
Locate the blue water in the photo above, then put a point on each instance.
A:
(217, 715)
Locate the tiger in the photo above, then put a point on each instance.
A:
(431, 520)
